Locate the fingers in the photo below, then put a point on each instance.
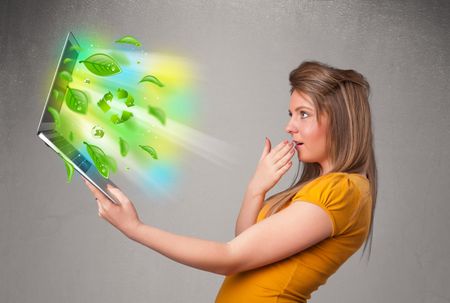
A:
(274, 153)
(93, 189)
(284, 150)
(117, 193)
(267, 148)
(283, 146)
(100, 209)
(286, 158)
(283, 169)
(101, 199)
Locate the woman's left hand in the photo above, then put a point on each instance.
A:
(123, 215)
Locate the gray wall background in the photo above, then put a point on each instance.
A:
(54, 248)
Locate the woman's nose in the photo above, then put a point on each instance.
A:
(290, 128)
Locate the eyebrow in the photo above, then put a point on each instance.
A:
(298, 108)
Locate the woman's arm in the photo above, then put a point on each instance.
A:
(279, 236)
(273, 164)
(250, 208)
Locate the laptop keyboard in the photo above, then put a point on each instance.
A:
(73, 154)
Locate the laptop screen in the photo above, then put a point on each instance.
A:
(56, 115)
(63, 73)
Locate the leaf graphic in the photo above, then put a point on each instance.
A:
(99, 158)
(152, 79)
(76, 100)
(66, 76)
(121, 93)
(157, 113)
(103, 105)
(67, 60)
(75, 48)
(130, 101)
(123, 147)
(112, 164)
(150, 150)
(120, 57)
(108, 96)
(55, 94)
(115, 119)
(129, 40)
(101, 65)
(97, 132)
(55, 116)
(125, 116)
(69, 170)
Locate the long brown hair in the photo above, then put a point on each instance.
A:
(343, 95)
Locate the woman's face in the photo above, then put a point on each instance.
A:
(304, 128)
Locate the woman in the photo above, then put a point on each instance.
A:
(287, 247)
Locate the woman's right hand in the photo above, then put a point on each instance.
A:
(273, 164)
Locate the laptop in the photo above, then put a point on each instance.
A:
(57, 141)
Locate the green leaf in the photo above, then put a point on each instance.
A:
(76, 100)
(120, 57)
(121, 93)
(152, 79)
(112, 164)
(158, 113)
(69, 169)
(103, 105)
(150, 150)
(108, 96)
(123, 147)
(115, 119)
(66, 76)
(55, 116)
(67, 60)
(101, 65)
(71, 136)
(129, 40)
(97, 132)
(75, 48)
(125, 116)
(130, 101)
(99, 158)
(55, 94)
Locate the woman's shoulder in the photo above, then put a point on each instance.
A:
(339, 177)
(341, 195)
(332, 181)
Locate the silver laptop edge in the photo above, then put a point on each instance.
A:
(49, 126)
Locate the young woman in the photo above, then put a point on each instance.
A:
(288, 245)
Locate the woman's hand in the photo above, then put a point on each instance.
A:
(273, 164)
(123, 215)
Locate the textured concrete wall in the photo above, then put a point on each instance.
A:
(54, 248)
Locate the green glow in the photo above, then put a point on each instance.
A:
(125, 101)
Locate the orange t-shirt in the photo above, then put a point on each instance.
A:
(346, 198)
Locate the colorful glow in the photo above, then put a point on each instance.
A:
(171, 130)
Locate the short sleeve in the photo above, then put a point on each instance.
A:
(337, 195)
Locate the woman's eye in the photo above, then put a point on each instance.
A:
(302, 113)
